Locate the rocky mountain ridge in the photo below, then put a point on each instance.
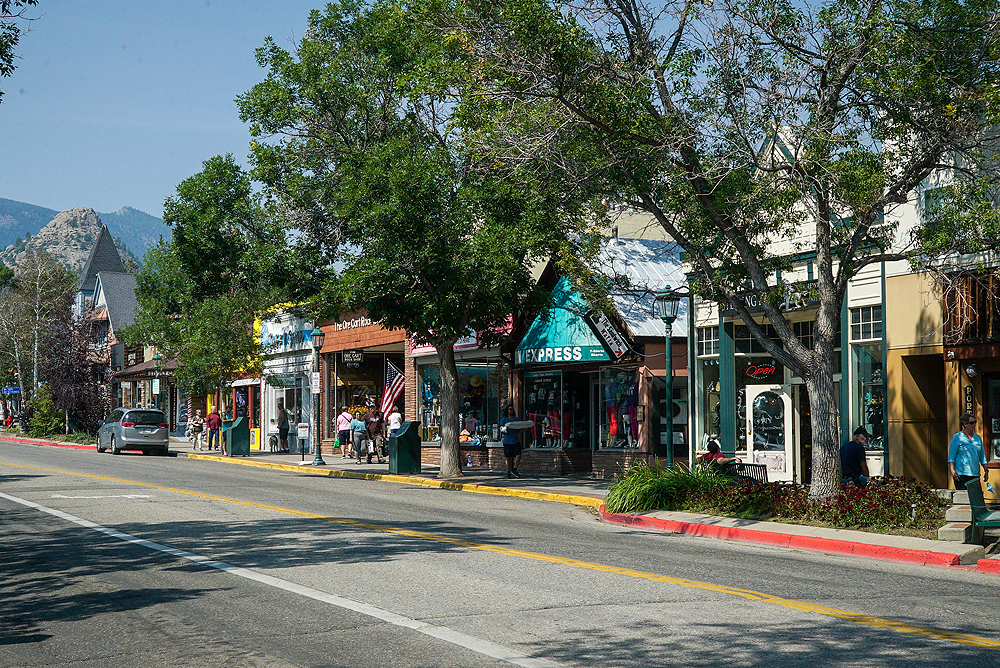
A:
(68, 238)
(23, 226)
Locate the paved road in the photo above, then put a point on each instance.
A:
(175, 562)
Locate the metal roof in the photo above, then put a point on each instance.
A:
(650, 266)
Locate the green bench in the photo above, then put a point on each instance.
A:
(745, 473)
(981, 516)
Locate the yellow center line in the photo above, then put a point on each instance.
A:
(867, 620)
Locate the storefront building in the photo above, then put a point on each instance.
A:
(354, 361)
(760, 410)
(595, 385)
(286, 342)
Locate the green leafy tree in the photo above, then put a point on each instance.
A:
(43, 416)
(14, 23)
(199, 293)
(359, 137)
(753, 131)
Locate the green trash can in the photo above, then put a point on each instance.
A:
(404, 449)
(238, 438)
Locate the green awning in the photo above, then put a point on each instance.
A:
(562, 336)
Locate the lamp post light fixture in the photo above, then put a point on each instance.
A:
(318, 338)
(156, 379)
(668, 303)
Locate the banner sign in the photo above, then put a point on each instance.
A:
(609, 336)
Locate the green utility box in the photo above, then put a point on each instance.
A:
(404, 449)
(238, 438)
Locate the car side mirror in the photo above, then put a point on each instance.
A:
(100, 423)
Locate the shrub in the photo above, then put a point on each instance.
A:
(886, 504)
(652, 487)
(45, 417)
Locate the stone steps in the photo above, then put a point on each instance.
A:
(956, 531)
(959, 513)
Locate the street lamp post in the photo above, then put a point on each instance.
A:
(667, 304)
(156, 380)
(318, 337)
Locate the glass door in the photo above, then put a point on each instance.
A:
(769, 429)
(991, 428)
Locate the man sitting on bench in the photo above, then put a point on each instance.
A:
(715, 456)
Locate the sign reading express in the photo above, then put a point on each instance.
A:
(560, 354)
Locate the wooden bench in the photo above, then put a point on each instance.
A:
(981, 516)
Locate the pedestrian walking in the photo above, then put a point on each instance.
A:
(965, 453)
(344, 432)
(197, 426)
(214, 424)
(511, 443)
(282, 426)
(359, 434)
(376, 429)
(395, 421)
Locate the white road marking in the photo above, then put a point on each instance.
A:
(444, 633)
(109, 496)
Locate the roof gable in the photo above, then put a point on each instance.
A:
(103, 256)
(116, 291)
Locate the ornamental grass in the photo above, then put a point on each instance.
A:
(888, 504)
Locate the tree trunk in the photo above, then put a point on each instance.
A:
(824, 404)
(451, 463)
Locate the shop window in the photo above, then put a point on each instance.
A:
(868, 399)
(708, 341)
(748, 344)
(708, 407)
(619, 425)
(480, 388)
(866, 323)
(804, 332)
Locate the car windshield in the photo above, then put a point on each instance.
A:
(145, 417)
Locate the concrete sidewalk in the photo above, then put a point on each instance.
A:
(590, 492)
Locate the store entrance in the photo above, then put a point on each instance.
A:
(769, 429)
(991, 415)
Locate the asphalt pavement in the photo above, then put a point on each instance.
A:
(586, 491)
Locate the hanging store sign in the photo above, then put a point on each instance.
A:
(970, 399)
(609, 336)
(794, 297)
(353, 358)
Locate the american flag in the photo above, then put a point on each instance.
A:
(394, 381)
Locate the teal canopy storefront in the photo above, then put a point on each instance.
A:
(561, 335)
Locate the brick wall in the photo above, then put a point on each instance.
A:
(606, 463)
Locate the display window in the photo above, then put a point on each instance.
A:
(709, 407)
(556, 401)
(868, 392)
(482, 392)
(618, 417)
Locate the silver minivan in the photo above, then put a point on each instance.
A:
(134, 429)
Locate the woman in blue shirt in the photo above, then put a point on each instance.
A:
(359, 434)
(965, 453)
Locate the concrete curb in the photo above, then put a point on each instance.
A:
(56, 444)
(815, 543)
(590, 502)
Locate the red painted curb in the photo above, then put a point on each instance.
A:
(816, 543)
(988, 566)
(55, 444)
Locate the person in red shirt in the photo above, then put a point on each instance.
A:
(715, 456)
(214, 424)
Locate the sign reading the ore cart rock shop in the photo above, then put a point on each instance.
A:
(353, 358)
(607, 334)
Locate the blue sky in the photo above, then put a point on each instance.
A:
(114, 103)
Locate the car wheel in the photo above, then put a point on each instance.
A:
(114, 447)
(99, 447)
